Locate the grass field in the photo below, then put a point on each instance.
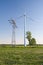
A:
(21, 55)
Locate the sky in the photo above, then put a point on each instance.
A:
(15, 9)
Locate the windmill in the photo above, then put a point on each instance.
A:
(13, 31)
(25, 26)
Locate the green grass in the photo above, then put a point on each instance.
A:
(20, 55)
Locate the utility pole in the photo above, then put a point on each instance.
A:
(13, 31)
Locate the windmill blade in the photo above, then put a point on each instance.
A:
(31, 18)
(20, 17)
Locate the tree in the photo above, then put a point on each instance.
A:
(28, 33)
(33, 41)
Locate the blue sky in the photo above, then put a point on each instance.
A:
(14, 9)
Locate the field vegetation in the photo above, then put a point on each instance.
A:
(20, 55)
